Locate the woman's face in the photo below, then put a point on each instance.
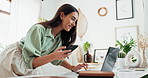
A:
(69, 20)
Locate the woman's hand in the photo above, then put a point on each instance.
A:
(80, 66)
(60, 54)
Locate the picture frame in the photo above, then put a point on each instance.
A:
(99, 55)
(124, 9)
(129, 31)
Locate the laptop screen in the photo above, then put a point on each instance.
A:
(110, 59)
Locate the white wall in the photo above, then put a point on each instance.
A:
(101, 30)
(48, 8)
(146, 18)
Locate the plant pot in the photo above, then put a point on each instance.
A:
(120, 63)
(87, 57)
(131, 56)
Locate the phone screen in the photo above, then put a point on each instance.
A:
(71, 47)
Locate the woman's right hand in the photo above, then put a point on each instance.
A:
(60, 54)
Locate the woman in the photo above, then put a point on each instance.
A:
(43, 44)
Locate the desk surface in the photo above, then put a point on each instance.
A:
(66, 75)
(130, 74)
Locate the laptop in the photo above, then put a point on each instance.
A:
(109, 61)
(107, 67)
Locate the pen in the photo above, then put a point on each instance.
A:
(85, 68)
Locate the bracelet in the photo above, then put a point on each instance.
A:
(72, 69)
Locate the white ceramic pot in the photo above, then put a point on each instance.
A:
(120, 62)
(128, 59)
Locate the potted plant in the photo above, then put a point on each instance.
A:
(87, 56)
(125, 46)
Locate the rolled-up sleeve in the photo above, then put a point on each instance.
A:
(32, 45)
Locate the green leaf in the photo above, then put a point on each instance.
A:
(86, 46)
(126, 45)
(120, 44)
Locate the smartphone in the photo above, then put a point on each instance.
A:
(71, 47)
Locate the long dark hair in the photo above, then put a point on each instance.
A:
(68, 38)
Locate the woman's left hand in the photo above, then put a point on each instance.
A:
(80, 66)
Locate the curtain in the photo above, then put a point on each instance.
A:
(24, 13)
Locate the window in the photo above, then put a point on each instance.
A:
(4, 21)
(5, 7)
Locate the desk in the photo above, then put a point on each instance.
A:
(131, 74)
(66, 75)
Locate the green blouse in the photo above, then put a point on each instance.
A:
(39, 42)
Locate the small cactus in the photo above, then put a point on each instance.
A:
(121, 55)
